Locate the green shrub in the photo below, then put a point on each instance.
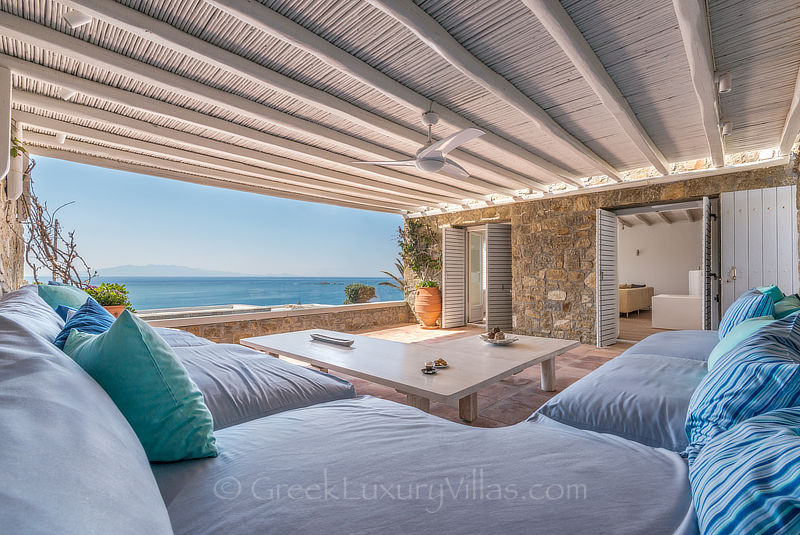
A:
(358, 293)
(428, 284)
(110, 294)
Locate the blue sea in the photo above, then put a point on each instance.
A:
(171, 292)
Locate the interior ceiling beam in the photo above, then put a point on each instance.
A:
(122, 155)
(168, 36)
(692, 215)
(693, 24)
(59, 43)
(791, 127)
(214, 147)
(262, 18)
(643, 219)
(186, 116)
(432, 34)
(279, 179)
(141, 169)
(664, 217)
(566, 34)
(626, 221)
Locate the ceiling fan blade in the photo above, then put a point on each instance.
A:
(396, 163)
(454, 170)
(451, 142)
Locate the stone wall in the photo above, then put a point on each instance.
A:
(12, 247)
(553, 244)
(346, 318)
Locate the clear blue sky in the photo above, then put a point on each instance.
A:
(123, 218)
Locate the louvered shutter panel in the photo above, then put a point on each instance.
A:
(454, 277)
(498, 276)
(607, 286)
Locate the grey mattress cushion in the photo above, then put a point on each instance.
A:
(639, 397)
(240, 384)
(695, 345)
(368, 465)
(70, 461)
(179, 338)
(27, 308)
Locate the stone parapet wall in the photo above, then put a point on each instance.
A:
(231, 328)
(553, 243)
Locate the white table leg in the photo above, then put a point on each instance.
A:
(549, 375)
(468, 407)
(419, 402)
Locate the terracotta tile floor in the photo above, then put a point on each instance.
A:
(507, 402)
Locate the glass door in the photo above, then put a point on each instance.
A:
(475, 267)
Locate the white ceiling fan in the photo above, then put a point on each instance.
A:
(432, 157)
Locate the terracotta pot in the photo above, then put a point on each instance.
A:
(115, 310)
(428, 306)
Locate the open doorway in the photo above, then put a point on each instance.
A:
(476, 275)
(657, 269)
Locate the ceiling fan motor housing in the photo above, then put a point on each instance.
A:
(430, 163)
(430, 118)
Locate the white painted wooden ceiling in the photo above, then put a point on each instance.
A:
(284, 102)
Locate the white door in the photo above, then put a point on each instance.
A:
(475, 277)
(454, 274)
(759, 241)
(498, 276)
(607, 287)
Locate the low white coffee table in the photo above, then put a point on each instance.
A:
(473, 363)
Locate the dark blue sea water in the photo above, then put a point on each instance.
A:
(171, 292)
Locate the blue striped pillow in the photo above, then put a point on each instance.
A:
(747, 480)
(751, 304)
(760, 374)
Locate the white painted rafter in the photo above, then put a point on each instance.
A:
(170, 111)
(432, 34)
(171, 165)
(665, 217)
(168, 36)
(165, 152)
(569, 38)
(268, 21)
(216, 148)
(693, 24)
(158, 172)
(791, 127)
(643, 219)
(48, 39)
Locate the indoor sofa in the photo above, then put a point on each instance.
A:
(72, 463)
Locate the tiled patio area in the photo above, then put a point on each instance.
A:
(505, 403)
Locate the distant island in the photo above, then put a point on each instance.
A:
(160, 270)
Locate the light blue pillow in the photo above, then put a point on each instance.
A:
(55, 295)
(786, 306)
(760, 375)
(91, 318)
(773, 292)
(751, 304)
(150, 386)
(735, 336)
(746, 480)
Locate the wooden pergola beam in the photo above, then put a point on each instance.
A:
(693, 24)
(214, 148)
(566, 34)
(791, 127)
(184, 115)
(234, 178)
(168, 36)
(432, 34)
(262, 18)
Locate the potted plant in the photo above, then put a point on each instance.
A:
(113, 297)
(419, 244)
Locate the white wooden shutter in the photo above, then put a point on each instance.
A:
(759, 241)
(498, 276)
(454, 277)
(607, 287)
(708, 278)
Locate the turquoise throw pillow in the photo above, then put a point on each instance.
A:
(69, 296)
(786, 306)
(773, 292)
(737, 334)
(147, 381)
